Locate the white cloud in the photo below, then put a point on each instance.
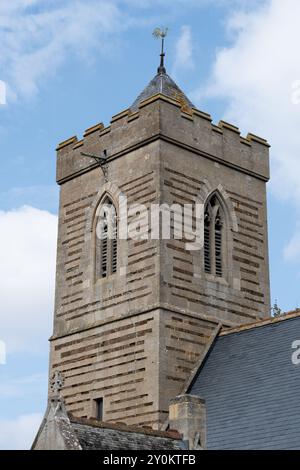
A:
(2, 353)
(37, 36)
(2, 92)
(27, 257)
(19, 433)
(184, 50)
(38, 196)
(292, 249)
(28, 387)
(256, 76)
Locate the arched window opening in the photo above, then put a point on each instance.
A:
(213, 237)
(106, 240)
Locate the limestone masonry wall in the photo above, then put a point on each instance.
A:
(133, 338)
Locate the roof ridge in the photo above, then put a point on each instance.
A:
(263, 322)
(171, 434)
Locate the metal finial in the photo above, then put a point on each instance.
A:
(161, 33)
(57, 382)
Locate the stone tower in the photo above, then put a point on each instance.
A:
(132, 318)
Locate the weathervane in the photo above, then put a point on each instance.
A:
(161, 33)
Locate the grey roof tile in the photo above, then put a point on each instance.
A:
(103, 436)
(251, 388)
(162, 83)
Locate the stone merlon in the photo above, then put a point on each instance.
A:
(164, 118)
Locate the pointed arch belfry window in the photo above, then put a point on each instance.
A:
(214, 220)
(106, 240)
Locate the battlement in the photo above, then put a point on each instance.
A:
(161, 117)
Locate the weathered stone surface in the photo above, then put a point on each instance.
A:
(62, 431)
(133, 338)
(188, 416)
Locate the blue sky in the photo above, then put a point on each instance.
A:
(68, 65)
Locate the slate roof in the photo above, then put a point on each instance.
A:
(252, 388)
(162, 83)
(95, 435)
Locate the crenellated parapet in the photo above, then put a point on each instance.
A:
(161, 117)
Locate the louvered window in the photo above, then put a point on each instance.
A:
(107, 240)
(213, 237)
(218, 246)
(114, 256)
(207, 264)
(104, 249)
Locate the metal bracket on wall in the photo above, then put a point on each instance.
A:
(102, 161)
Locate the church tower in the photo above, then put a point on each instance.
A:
(133, 316)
